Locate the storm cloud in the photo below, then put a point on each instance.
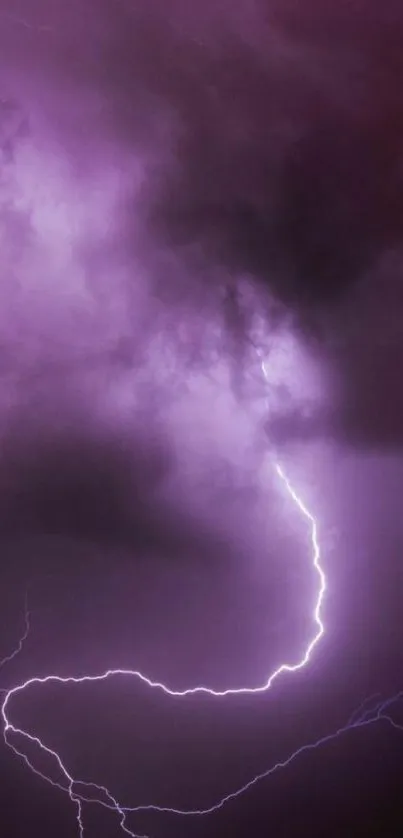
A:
(256, 145)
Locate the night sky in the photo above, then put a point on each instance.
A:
(201, 219)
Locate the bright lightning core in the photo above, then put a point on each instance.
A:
(81, 792)
(103, 796)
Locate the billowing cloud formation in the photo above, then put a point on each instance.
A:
(222, 146)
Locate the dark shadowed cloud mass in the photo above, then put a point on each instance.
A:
(258, 145)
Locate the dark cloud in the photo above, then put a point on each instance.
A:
(364, 347)
(88, 486)
(288, 164)
(277, 149)
(270, 138)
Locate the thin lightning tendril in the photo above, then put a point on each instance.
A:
(364, 716)
(18, 648)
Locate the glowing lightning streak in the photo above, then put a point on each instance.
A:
(22, 639)
(285, 667)
(361, 718)
(378, 714)
(112, 803)
(78, 799)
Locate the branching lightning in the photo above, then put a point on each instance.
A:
(84, 792)
(18, 648)
(363, 717)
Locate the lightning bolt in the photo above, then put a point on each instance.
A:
(80, 791)
(363, 717)
(18, 648)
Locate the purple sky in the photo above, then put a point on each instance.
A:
(187, 194)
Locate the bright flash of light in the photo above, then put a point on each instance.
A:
(96, 794)
(104, 796)
(81, 792)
